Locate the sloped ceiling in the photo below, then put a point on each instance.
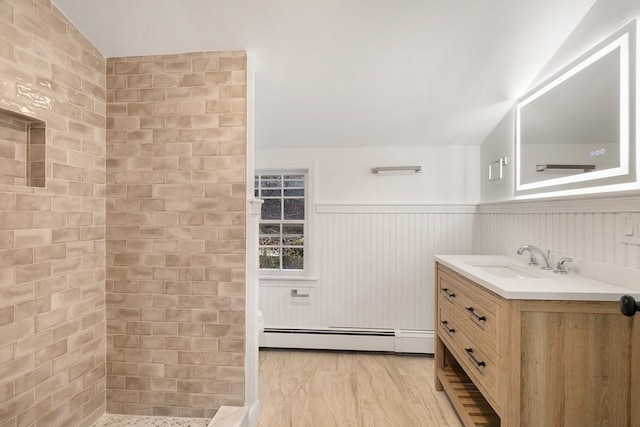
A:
(354, 72)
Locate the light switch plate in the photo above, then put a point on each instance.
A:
(631, 229)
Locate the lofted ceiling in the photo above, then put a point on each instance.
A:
(350, 73)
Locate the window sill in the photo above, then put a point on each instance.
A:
(308, 281)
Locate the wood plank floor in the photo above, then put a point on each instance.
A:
(340, 389)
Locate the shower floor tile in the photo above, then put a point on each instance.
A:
(116, 420)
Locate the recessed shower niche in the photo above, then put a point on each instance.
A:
(22, 150)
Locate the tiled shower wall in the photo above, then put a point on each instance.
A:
(176, 233)
(52, 239)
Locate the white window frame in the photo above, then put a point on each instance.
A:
(306, 276)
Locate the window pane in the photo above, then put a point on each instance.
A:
(293, 209)
(269, 228)
(270, 258)
(271, 181)
(292, 259)
(294, 192)
(293, 235)
(295, 183)
(271, 209)
(271, 193)
(269, 240)
(293, 229)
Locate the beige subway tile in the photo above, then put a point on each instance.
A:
(218, 78)
(32, 237)
(219, 106)
(138, 355)
(51, 352)
(49, 319)
(133, 383)
(155, 94)
(192, 79)
(177, 343)
(154, 122)
(165, 329)
(165, 356)
(191, 274)
(32, 308)
(178, 66)
(232, 119)
(178, 93)
(139, 81)
(177, 122)
(233, 91)
(126, 68)
(30, 273)
(51, 285)
(152, 342)
(140, 137)
(205, 149)
(190, 330)
(165, 80)
(50, 253)
(217, 331)
(28, 202)
(6, 315)
(16, 406)
(204, 372)
(152, 67)
(164, 384)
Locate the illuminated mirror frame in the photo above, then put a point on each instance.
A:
(626, 172)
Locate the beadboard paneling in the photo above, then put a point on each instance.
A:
(375, 269)
(586, 235)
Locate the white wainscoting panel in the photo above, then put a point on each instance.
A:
(376, 268)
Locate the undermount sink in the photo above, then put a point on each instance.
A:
(505, 271)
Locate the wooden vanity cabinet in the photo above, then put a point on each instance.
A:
(534, 363)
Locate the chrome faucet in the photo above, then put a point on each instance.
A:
(536, 255)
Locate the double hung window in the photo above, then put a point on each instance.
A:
(283, 220)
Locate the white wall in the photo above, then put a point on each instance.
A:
(343, 175)
(375, 235)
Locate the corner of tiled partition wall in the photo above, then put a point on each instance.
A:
(176, 141)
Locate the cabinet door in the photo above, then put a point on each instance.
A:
(578, 366)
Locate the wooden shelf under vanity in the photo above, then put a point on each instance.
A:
(468, 401)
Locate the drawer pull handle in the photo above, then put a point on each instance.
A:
(445, 325)
(479, 363)
(474, 315)
(449, 294)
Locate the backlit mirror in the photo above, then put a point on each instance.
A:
(577, 130)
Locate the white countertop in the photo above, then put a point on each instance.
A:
(533, 283)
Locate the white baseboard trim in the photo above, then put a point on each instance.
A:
(395, 341)
(411, 341)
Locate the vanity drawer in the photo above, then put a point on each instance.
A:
(479, 361)
(480, 308)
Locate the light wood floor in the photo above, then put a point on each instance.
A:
(339, 389)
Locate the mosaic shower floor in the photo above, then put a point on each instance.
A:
(114, 420)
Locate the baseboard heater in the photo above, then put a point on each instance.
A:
(387, 340)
